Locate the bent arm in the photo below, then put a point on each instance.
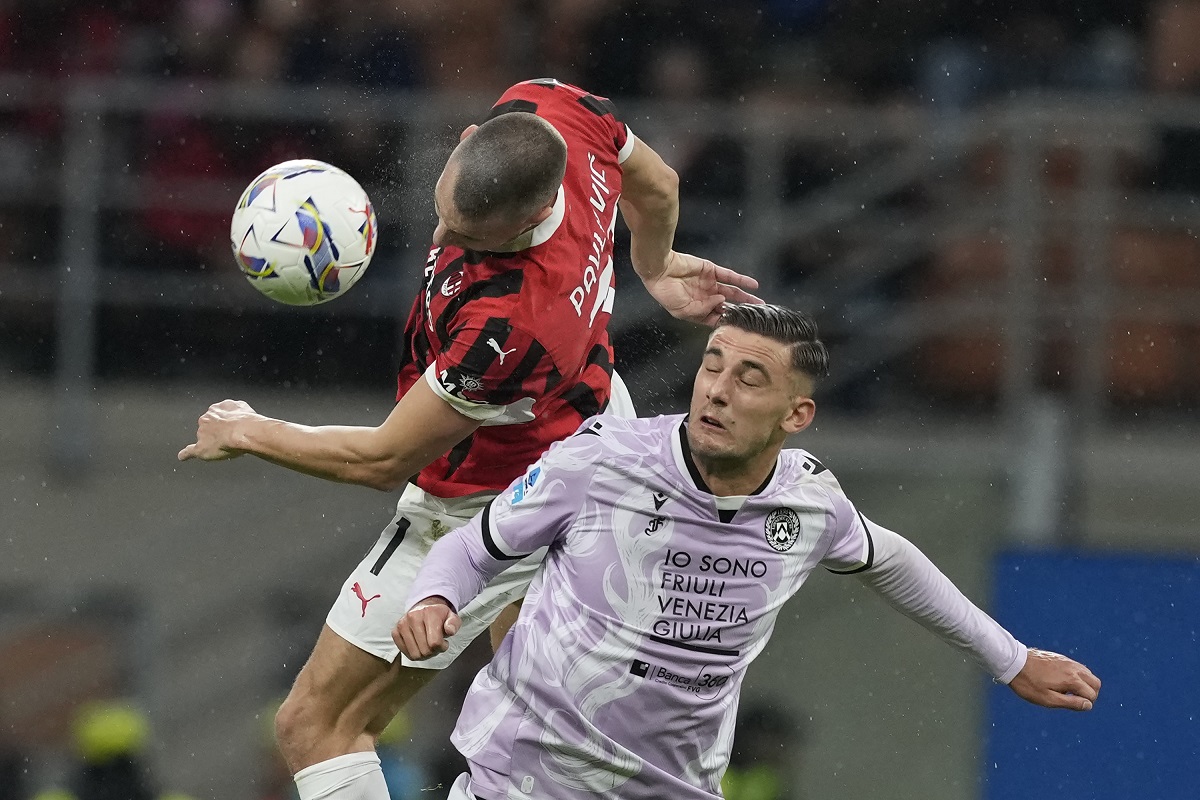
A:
(421, 427)
(458, 567)
(537, 509)
(689, 288)
(909, 581)
(650, 206)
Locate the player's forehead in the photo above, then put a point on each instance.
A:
(443, 197)
(735, 345)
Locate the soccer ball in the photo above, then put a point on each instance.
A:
(303, 232)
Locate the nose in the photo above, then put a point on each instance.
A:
(718, 389)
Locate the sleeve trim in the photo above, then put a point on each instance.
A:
(1015, 667)
(489, 540)
(627, 150)
(481, 412)
(870, 562)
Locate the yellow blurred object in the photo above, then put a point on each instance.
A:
(756, 783)
(106, 730)
(267, 722)
(55, 794)
(399, 729)
(175, 796)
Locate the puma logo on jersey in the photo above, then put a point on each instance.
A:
(496, 346)
(357, 588)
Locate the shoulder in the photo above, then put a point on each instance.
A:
(612, 427)
(804, 472)
(573, 107)
(549, 91)
(608, 434)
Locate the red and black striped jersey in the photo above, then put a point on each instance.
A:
(520, 340)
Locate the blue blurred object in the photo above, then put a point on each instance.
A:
(1133, 621)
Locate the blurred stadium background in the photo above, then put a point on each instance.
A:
(990, 207)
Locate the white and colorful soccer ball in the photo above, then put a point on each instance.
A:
(303, 232)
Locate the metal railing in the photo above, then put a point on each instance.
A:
(901, 187)
(878, 155)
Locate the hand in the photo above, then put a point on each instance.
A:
(1055, 681)
(216, 430)
(422, 632)
(695, 289)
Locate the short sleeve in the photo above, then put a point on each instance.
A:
(491, 371)
(626, 149)
(542, 504)
(851, 549)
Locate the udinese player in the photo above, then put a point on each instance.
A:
(506, 351)
(674, 542)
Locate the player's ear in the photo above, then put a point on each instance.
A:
(800, 415)
(541, 216)
(467, 131)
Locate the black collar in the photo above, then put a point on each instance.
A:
(694, 471)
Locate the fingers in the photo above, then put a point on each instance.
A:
(404, 639)
(1051, 698)
(422, 632)
(735, 294)
(726, 275)
(187, 452)
(1085, 688)
(710, 310)
(433, 629)
(1072, 702)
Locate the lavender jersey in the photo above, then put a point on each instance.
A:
(621, 677)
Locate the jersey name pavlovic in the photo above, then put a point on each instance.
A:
(519, 340)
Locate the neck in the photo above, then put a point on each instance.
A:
(519, 242)
(727, 480)
(727, 477)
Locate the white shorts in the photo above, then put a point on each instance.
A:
(375, 595)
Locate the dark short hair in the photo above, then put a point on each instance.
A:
(511, 166)
(794, 328)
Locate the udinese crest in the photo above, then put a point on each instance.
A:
(782, 529)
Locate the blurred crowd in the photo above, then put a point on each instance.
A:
(723, 48)
(951, 56)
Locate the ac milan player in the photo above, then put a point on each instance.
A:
(673, 543)
(506, 351)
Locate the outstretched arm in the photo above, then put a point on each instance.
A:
(690, 288)
(421, 427)
(910, 582)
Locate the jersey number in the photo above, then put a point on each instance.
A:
(397, 538)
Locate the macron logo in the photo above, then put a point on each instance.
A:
(496, 346)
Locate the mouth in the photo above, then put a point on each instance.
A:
(710, 422)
